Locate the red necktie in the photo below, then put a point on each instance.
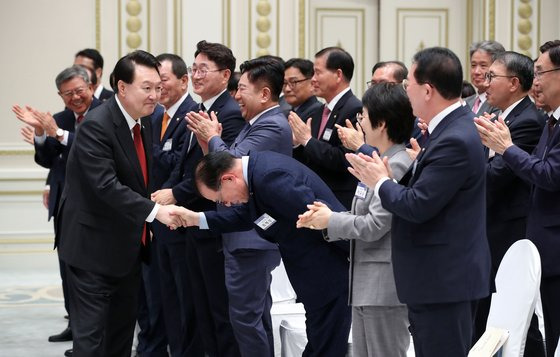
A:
(164, 123)
(476, 104)
(139, 146)
(79, 119)
(324, 120)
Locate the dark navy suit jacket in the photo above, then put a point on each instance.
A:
(282, 187)
(308, 108)
(326, 157)
(507, 196)
(53, 155)
(542, 171)
(440, 252)
(271, 132)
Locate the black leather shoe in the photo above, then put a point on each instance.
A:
(68, 353)
(65, 335)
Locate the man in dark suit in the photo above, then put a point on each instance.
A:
(318, 144)
(440, 253)
(541, 170)
(298, 90)
(166, 307)
(101, 223)
(53, 138)
(274, 189)
(482, 55)
(250, 259)
(212, 67)
(509, 78)
(92, 59)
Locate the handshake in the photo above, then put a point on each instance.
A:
(171, 215)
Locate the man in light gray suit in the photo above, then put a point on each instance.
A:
(482, 55)
(380, 322)
(249, 259)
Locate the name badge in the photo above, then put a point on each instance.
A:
(361, 191)
(327, 134)
(167, 145)
(265, 221)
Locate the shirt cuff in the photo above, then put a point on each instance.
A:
(40, 140)
(64, 140)
(202, 222)
(153, 214)
(378, 185)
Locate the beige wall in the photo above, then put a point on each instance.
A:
(40, 37)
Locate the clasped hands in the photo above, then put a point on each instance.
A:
(493, 134)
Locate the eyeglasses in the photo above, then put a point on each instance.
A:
(373, 82)
(359, 117)
(70, 93)
(202, 72)
(406, 83)
(293, 83)
(538, 74)
(488, 76)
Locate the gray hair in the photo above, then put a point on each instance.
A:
(493, 48)
(71, 73)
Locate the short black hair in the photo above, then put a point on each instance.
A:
(93, 55)
(211, 167)
(553, 49)
(276, 58)
(305, 66)
(178, 65)
(388, 103)
(233, 81)
(124, 69)
(520, 66)
(267, 70)
(467, 89)
(217, 53)
(337, 58)
(401, 72)
(441, 68)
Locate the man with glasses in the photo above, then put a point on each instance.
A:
(440, 253)
(509, 80)
(317, 143)
(213, 65)
(249, 259)
(482, 55)
(54, 136)
(388, 72)
(541, 169)
(298, 89)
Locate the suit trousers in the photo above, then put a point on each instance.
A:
(152, 338)
(328, 328)
(380, 331)
(206, 271)
(550, 296)
(443, 329)
(248, 278)
(178, 303)
(103, 311)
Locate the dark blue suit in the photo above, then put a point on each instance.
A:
(282, 187)
(53, 155)
(166, 308)
(249, 259)
(308, 108)
(440, 253)
(326, 157)
(204, 255)
(542, 171)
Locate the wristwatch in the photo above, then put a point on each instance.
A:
(59, 133)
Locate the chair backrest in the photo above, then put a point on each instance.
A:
(517, 289)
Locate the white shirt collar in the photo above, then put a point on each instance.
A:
(129, 120)
(209, 102)
(76, 115)
(439, 117)
(508, 110)
(245, 164)
(173, 109)
(482, 97)
(335, 100)
(556, 113)
(98, 91)
(252, 121)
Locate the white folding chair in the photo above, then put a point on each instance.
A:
(517, 288)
